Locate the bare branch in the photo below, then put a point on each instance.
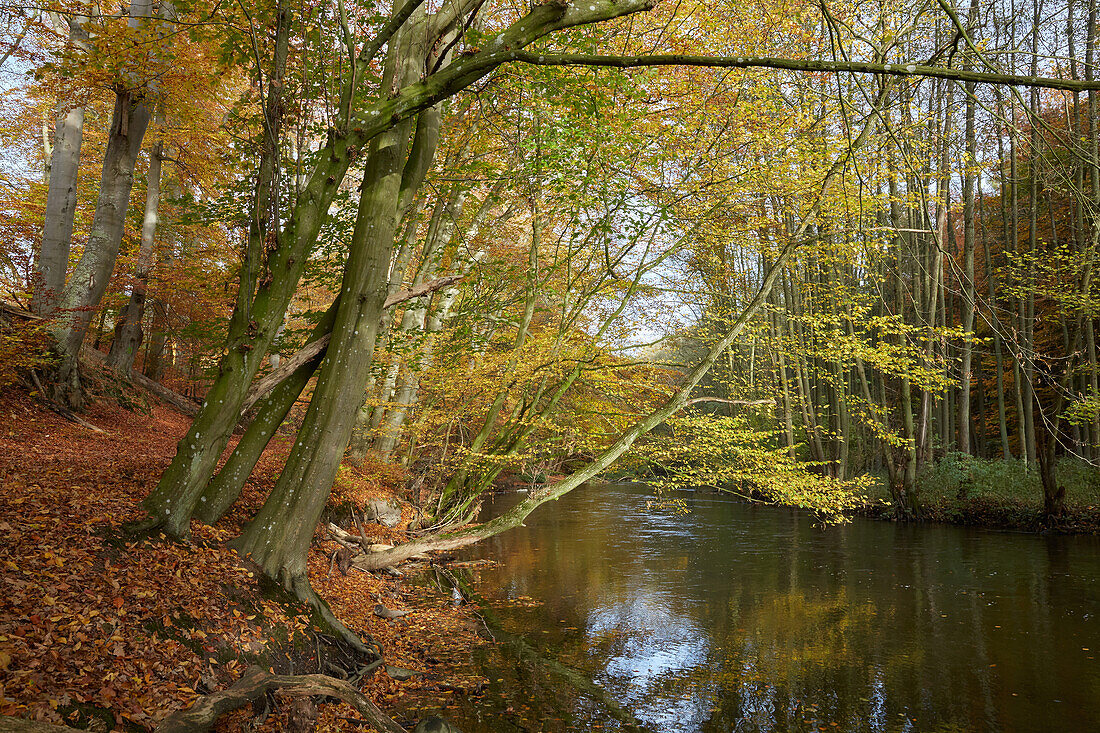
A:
(697, 400)
(910, 69)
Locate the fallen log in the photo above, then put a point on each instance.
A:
(175, 399)
(256, 683)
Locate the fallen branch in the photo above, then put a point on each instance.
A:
(290, 365)
(175, 399)
(514, 517)
(256, 683)
(346, 539)
(317, 348)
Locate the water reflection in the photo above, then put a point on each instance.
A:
(738, 618)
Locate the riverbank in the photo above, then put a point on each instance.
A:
(103, 631)
(1000, 494)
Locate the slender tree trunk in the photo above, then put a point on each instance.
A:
(63, 164)
(1027, 324)
(158, 341)
(904, 493)
(93, 271)
(1094, 189)
(52, 262)
(970, 162)
(256, 318)
(128, 333)
(413, 332)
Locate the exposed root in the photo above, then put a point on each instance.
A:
(256, 683)
(60, 409)
(19, 725)
(303, 591)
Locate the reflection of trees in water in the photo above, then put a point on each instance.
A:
(756, 620)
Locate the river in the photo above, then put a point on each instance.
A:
(731, 617)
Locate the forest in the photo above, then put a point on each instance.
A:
(836, 255)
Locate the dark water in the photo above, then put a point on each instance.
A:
(740, 618)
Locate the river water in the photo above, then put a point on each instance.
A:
(732, 617)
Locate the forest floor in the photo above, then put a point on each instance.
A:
(98, 629)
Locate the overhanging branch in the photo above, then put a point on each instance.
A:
(743, 403)
(811, 65)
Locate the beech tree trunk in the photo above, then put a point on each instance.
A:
(970, 161)
(515, 516)
(256, 317)
(52, 263)
(93, 272)
(128, 333)
(278, 537)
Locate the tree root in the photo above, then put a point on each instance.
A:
(299, 586)
(60, 409)
(255, 683)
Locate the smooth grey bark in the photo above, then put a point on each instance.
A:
(415, 321)
(52, 263)
(278, 537)
(970, 160)
(372, 418)
(128, 332)
(409, 388)
(129, 121)
(93, 272)
(224, 489)
(274, 399)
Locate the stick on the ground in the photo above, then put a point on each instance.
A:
(64, 412)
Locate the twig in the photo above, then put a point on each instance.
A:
(60, 410)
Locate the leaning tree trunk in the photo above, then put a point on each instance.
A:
(128, 333)
(409, 389)
(286, 384)
(173, 501)
(515, 516)
(223, 490)
(279, 536)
